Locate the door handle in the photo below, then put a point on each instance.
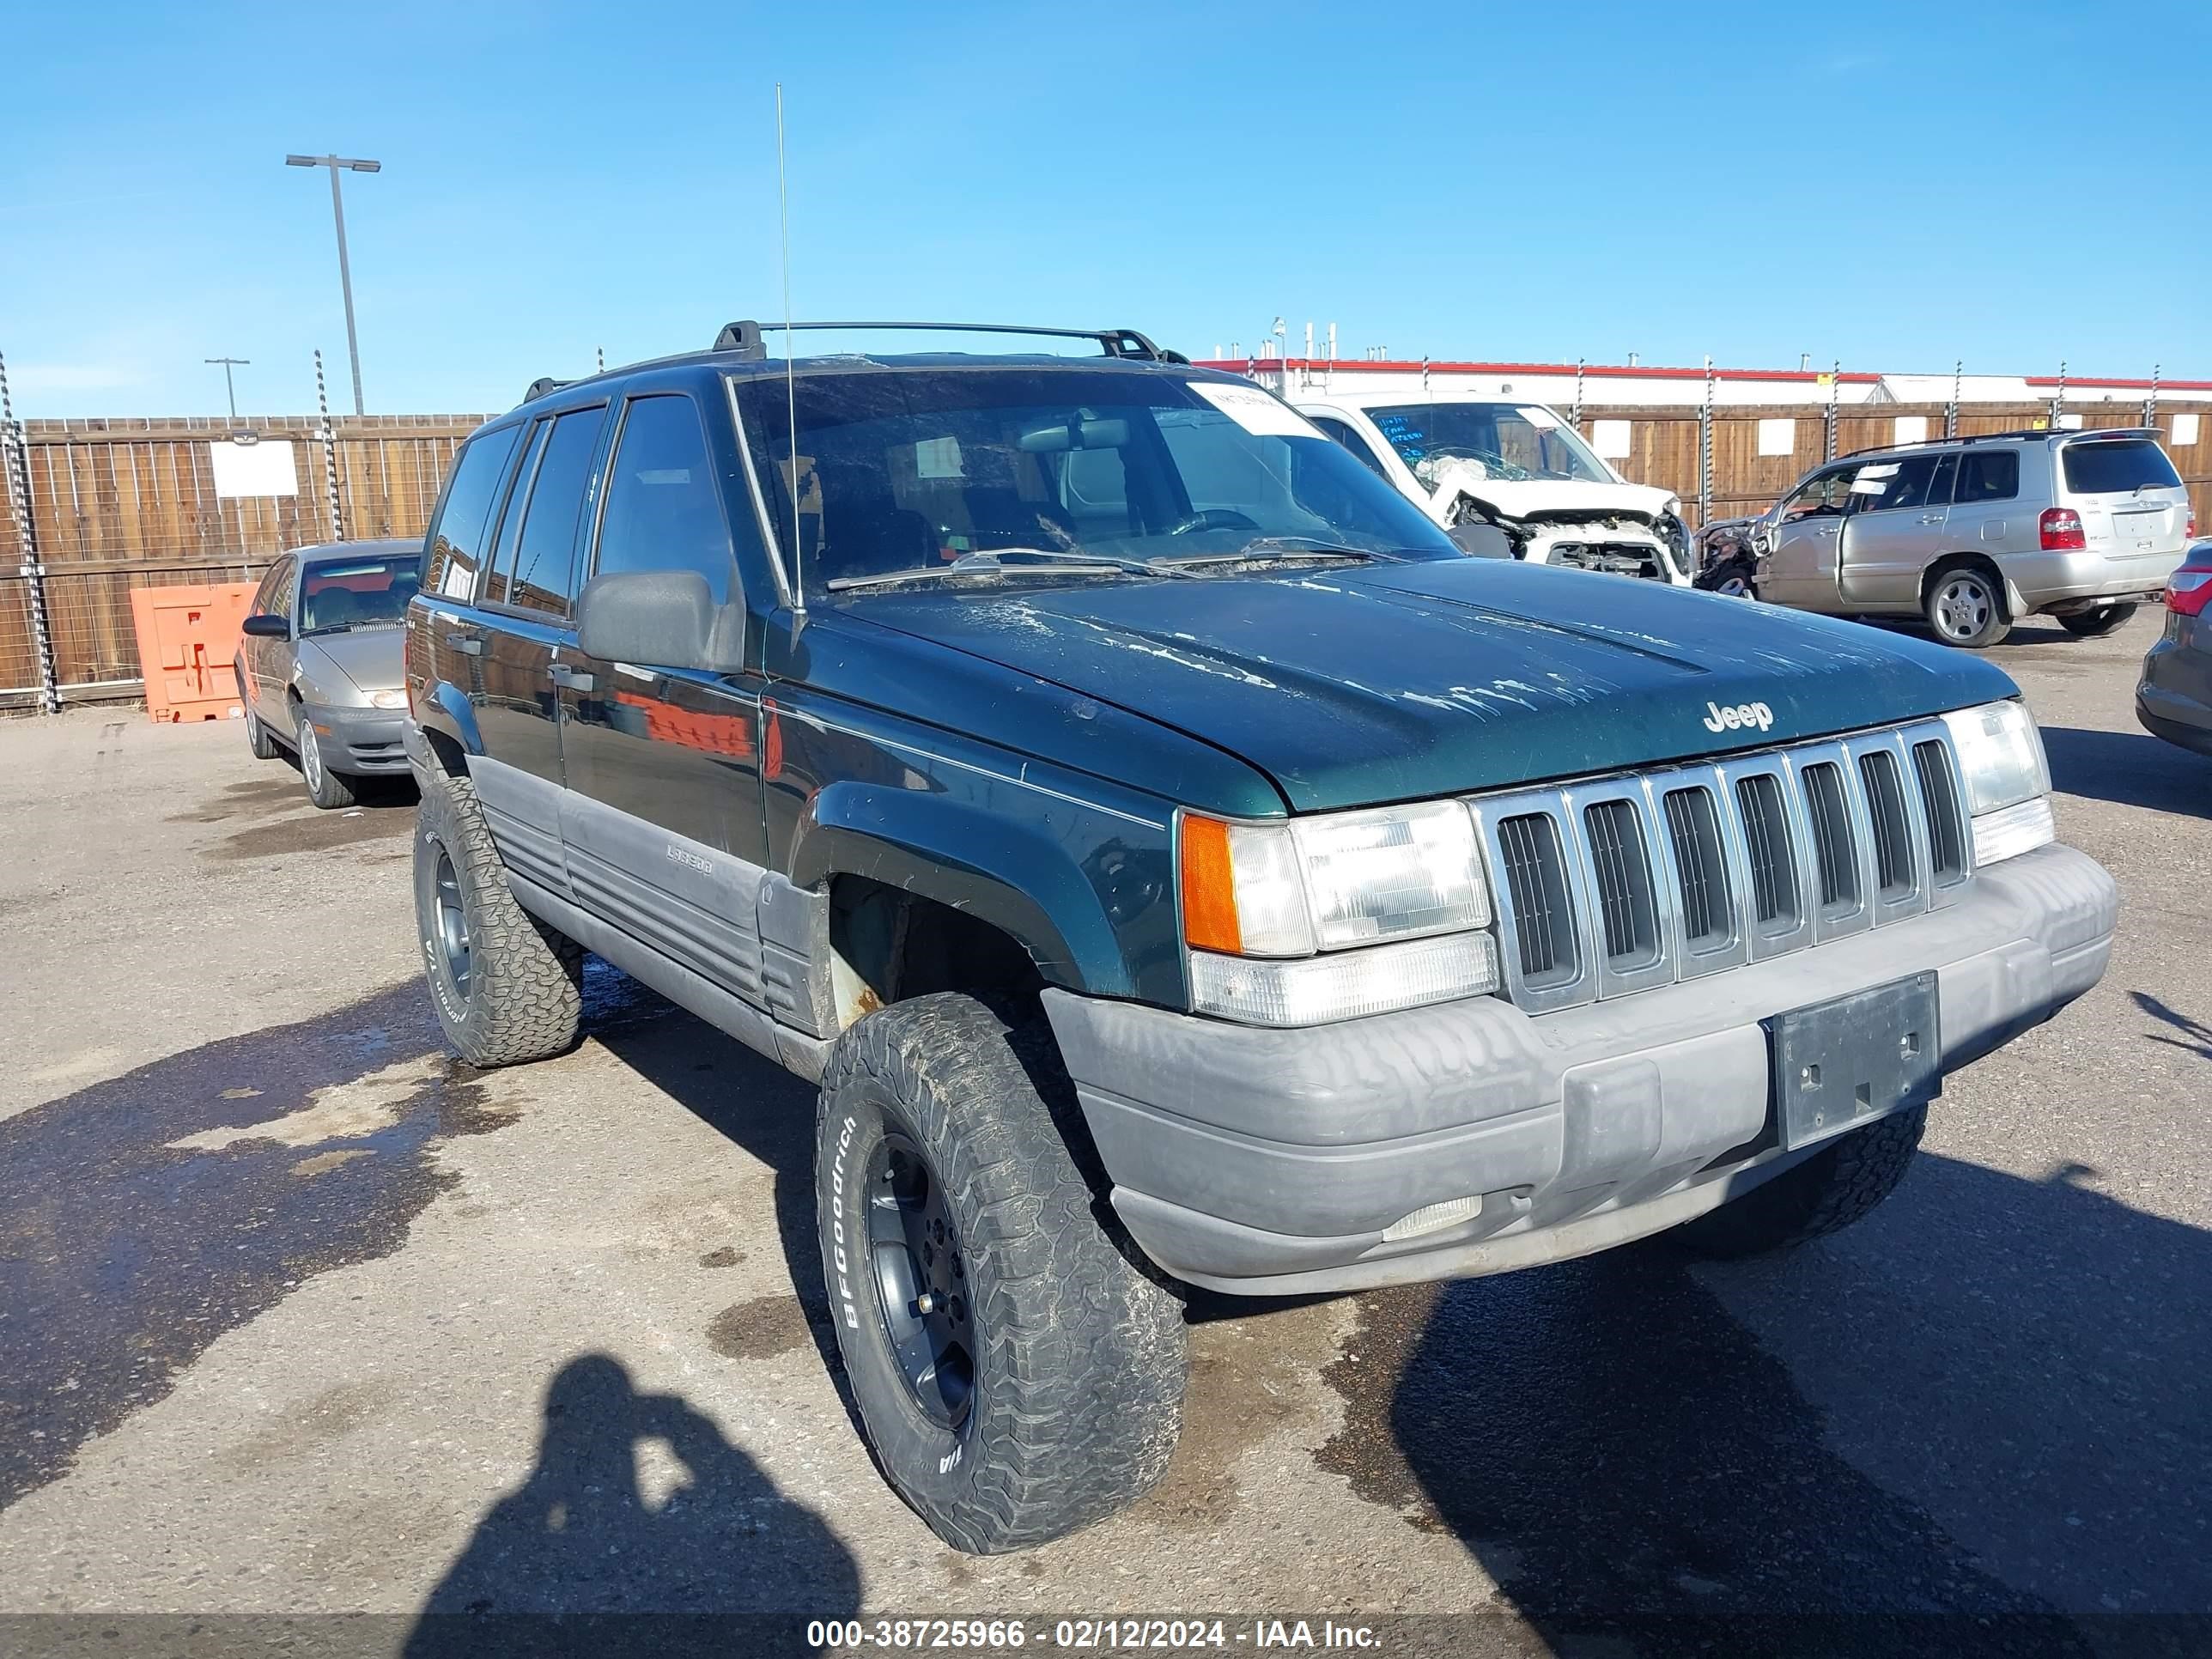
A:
(468, 644)
(572, 679)
(1931, 518)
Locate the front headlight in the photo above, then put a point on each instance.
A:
(2007, 779)
(394, 696)
(1295, 892)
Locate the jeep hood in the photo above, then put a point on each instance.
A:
(1558, 500)
(1354, 687)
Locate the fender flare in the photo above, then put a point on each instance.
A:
(930, 845)
(448, 711)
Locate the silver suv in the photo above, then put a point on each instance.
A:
(1974, 533)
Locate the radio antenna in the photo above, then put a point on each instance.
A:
(790, 381)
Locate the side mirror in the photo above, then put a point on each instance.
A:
(266, 625)
(1480, 541)
(660, 619)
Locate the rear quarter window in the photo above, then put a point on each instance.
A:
(2116, 465)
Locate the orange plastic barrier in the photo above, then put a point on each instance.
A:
(187, 642)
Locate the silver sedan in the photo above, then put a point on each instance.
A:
(322, 663)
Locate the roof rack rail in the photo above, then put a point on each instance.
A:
(2021, 432)
(744, 338)
(541, 385)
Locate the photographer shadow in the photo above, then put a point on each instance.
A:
(577, 1560)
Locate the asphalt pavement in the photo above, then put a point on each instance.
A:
(299, 1315)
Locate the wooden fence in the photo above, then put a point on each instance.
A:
(116, 505)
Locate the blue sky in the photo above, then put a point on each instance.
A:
(1893, 185)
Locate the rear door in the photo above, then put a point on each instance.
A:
(2130, 499)
(527, 588)
(1895, 529)
(1988, 514)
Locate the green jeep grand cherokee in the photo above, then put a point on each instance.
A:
(1180, 866)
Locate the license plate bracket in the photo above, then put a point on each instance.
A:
(1839, 1064)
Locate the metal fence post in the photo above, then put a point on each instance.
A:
(2058, 401)
(17, 460)
(2150, 403)
(1951, 408)
(1578, 394)
(1829, 435)
(1706, 450)
(330, 452)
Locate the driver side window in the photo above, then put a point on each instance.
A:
(1826, 494)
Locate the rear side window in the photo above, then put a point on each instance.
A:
(545, 552)
(663, 510)
(2116, 465)
(1988, 475)
(456, 541)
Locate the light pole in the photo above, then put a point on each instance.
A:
(338, 164)
(229, 390)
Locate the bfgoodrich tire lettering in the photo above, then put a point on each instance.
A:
(507, 988)
(1078, 1360)
(1838, 1185)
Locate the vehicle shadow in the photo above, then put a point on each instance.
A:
(577, 1561)
(2131, 768)
(1978, 1422)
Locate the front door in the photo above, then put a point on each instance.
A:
(266, 661)
(1895, 528)
(1799, 568)
(661, 823)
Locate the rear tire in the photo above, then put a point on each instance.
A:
(1966, 607)
(2095, 624)
(1039, 1386)
(257, 738)
(507, 986)
(1838, 1185)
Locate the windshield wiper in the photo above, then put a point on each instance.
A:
(1043, 561)
(1280, 547)
(328, 628)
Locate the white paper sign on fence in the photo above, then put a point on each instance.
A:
(262, 469)
(1610, 438)
(1910, 429)
(1778, 437)
(2185, 430)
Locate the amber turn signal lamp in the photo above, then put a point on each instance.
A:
(1209, 886)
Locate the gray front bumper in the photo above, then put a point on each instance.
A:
(359, 742)
(1271, 1162)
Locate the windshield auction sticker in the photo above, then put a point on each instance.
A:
(1258, 413)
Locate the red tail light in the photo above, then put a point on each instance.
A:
(2189, 589)
(2061, 529)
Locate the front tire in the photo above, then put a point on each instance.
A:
(1966, 607)
(2095, 624)
(326, 788)
(1018, 1376)
(1838, 1185)
(507, 986)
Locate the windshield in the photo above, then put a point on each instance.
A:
(910, 470)
(2108, 466)
(1501, 440)
(358, 593)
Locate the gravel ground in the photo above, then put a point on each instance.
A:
(300, 1316)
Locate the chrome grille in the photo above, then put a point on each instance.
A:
(1536, 885)
(1622, 871)
(1768, 841)
(1618, 883)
